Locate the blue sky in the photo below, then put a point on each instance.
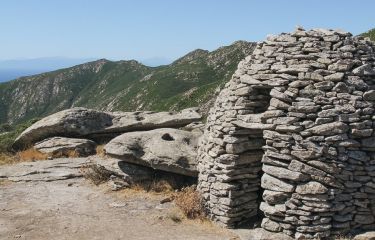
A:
(141, 29)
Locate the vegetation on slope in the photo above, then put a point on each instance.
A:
(122, 86)
(7, 136)
(370, 34)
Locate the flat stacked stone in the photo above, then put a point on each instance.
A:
(295, 122)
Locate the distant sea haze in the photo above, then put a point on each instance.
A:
(7, 75)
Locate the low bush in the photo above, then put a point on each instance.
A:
(190, 201)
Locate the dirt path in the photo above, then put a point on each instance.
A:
(75, 209)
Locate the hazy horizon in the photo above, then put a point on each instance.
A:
(165, 29)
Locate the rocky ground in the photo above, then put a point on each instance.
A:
(51, 200)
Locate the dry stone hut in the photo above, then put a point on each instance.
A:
(291, 138)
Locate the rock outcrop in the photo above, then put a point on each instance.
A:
(93, 124)
(66, 168)
(301, 109)
(63, 146)
(164, 149)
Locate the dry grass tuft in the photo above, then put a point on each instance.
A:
(163, 182)
(100, 150)
(72, 154)
(67, 154)
(147, 190)
(135, 192)
(7, 159)
(96, 174)
(176, 216)
(190, 202)
(158, 186)
(31, 154)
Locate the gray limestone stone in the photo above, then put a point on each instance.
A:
(274, 197)
(329, 129)
(364, 70)
(369, 95)
(311, 188)
(270, 225)
(274, 184)
(284, 173)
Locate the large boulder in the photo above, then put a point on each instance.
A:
(63, 145)
(166, 149)
(88, 123)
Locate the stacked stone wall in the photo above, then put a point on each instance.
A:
(291, 137)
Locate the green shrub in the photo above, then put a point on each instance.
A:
(7, 138)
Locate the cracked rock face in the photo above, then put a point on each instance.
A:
(164, 149)
(49, 170)
(302, 106)
(88, 123)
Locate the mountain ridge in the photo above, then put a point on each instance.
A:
(11, 69)
(125, 85)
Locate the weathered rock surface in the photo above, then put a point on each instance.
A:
(330, 129)
(311, 188)
(365, 236)
(48, 170)
(67, 168)
(274, 184)
(87, 123)
(283, 173)
(369, 144)
(62, 145)
(197, 127)
(165, 149)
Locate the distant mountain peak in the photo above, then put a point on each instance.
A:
(193, 55)
(217, 55)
